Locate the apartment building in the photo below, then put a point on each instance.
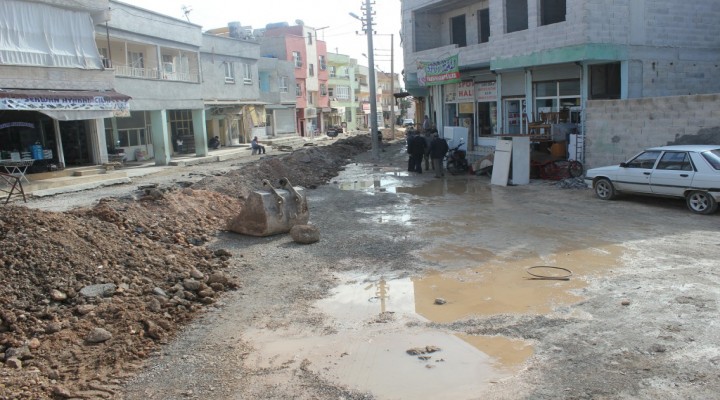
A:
(277, 92)
(497, 65)
(388, 84)
(231, 86)
(341, 91)
(54, 89)
(299, 44)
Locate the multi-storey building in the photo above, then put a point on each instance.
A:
(156, 60)
(230, 87)
(388, 84)
(362, 95)
(499, 64)
(300, 45)
(277, 91)
(54, 88)
(341, 90)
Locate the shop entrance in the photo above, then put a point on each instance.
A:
(512, 118)
(75, 143)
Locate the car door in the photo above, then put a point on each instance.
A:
(673, 174)
(634, 175)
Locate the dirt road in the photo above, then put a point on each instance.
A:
(413, 262)
(417, 289)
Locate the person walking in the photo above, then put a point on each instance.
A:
(438, 149)
(428, 136)
(416, 149)
(426, 124)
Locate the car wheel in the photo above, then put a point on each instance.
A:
(701, 202)
(604, 189)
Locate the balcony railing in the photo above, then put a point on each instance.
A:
(154, 73)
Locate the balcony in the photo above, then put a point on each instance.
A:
(154, 73)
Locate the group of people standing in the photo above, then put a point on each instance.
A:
(427, 146)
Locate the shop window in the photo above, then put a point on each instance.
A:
(483, 21)
(552, 11)
(559, 98)
(516, 15)
(457, 30)
(605, 81)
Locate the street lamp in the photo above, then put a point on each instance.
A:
(368, 27)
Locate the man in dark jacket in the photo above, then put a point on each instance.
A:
(416, 149)
(438, 149)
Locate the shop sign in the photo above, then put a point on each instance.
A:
(120, 108)
(450, 93)
(465, 92)
(486, 91)
(14, 124)
(439, 72)
(366, 108)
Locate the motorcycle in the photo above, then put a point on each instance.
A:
(456, 162)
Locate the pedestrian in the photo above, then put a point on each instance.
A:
(416, 149)
(214, 143)
(428, 136)
(438, 149)
(256, 146)
(426, 124)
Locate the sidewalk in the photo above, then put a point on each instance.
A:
(83, 178)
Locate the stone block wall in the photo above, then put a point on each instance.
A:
(618, 129)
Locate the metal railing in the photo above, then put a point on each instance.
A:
(153, 73)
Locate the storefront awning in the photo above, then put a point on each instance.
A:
(67, 104)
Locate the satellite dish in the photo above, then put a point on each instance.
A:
(299, 22)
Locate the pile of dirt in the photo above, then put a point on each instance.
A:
(88, 294)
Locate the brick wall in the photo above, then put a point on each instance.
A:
(618, 129)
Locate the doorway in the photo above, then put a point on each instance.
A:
(512, 116)
(75, 143)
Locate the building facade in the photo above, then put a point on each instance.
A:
(341, 90)
(276, 78)
(388, 84)
(55, 90)
(497, 66)
(299, 44)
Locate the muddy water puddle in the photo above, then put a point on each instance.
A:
(479, 269)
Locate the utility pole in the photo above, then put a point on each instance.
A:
(392, 83)
(368, 28)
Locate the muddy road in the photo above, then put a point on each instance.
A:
(418, 289)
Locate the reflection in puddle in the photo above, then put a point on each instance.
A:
(509, 353)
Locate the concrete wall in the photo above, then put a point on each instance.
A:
(214, 53)
(138, 22)
(618, 129)
(27, 77)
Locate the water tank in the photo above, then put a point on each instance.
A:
(235, 29)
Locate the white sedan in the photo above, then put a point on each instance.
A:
(691, 172)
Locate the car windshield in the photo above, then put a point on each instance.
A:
(713, 157)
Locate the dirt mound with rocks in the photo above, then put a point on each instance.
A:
(88, 294)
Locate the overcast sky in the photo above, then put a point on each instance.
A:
(341, 27)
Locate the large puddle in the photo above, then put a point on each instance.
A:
(376, 320)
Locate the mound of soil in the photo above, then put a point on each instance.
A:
(88, 294)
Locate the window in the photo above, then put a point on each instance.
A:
(675, 161)
(483, 21)
(311, 69)
(605, 81)
(645, 160)
(283, 86)
(181, 123)
(457, 30)
(247, 74)
(298, 90)
(131, 137)
(342, 93)
(323, 90)
(331, 92)
(309, 37)
(561, 97)
(516, 15)
(136, 60)
(297, 59)
(323, 64)
(332, 71)
(347, 72)
(552, 11)
(310, 98)
(713, 157)
(229, 72)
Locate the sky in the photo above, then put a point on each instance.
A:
(340, 34)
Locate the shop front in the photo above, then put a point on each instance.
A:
(51, 129)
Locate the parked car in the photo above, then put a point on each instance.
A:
(691, 172)
(408, 122)
(333, 131)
